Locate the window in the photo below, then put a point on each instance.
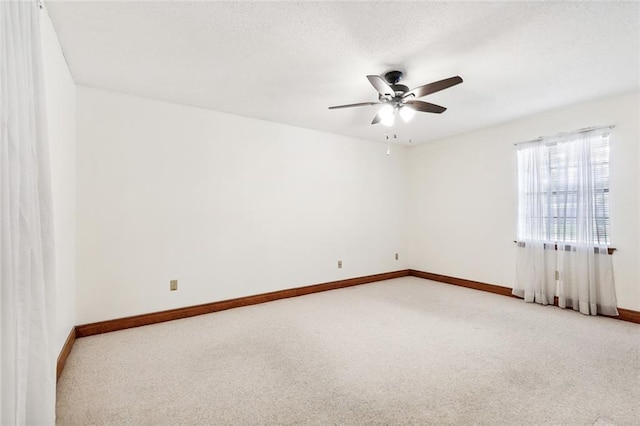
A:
(563, 185)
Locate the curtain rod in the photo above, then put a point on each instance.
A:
(575, 132)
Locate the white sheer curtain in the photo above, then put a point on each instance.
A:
(563, 223)
(27, 391)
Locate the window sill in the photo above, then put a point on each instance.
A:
(610, 250)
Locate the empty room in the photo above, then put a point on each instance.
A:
(318, 212)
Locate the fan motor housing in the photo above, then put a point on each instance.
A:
(401, 88)
(393, 77)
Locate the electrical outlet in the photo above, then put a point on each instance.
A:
(339, 264)
(173, 285)
(396, 256)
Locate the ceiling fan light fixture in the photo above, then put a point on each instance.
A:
(386, 115)
(407, 113)
(393, 96)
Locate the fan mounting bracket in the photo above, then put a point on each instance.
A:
(393, 77)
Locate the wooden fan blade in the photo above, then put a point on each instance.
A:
(376, 119)
(437, 86)
(354, 105)
(381, 86)
(426, 107)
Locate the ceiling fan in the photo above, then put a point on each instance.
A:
(393, 96)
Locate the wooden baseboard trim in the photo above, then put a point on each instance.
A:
(623, 314)
(189, 311)
(491, 288)
(65, 351)
(628, 315)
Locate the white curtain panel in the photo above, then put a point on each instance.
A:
(563, 223)
(27, 391)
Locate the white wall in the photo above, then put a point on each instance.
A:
(232, 206)
(463, 196)
(61, 114)
(229, 206)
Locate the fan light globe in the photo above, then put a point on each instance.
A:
(407, 113)
(386, 115)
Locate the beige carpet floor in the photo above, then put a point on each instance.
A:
(403, 351)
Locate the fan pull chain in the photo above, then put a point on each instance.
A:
(395, 138)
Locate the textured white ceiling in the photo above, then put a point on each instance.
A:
(288, 61)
